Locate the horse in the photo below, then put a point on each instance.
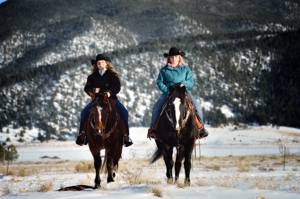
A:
(177, 128)
(102, 129)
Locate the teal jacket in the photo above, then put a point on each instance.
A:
(170, 76)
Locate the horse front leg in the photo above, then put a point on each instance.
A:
(187, 169)
(188, 165)
(110, 169)
(178, 163)
(97, 166)
(169, 164)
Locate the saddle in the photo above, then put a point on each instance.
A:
(199, 123)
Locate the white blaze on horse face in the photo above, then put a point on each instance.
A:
(99, 108)
(177, 103)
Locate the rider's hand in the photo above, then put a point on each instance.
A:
(108, 94)
(96, 90)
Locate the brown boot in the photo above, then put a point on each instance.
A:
(81, 139)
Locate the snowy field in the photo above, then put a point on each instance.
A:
(215, 174)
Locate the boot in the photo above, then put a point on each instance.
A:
(203, 133)
(127, 141)
(81, 139)
(151, 133)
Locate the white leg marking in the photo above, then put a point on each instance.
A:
(177, 112)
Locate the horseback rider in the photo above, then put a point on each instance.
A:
(103, 79)
(174, 73)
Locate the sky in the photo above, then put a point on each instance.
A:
(220, 182)
(1, 1)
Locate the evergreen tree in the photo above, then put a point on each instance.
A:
(2, 153)
(11, 153)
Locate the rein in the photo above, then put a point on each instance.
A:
(102, 132)
(170, 117)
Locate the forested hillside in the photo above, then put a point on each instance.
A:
(244, 55)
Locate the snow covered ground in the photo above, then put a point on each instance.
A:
(224, 176)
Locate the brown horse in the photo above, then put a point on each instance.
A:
(103, 131)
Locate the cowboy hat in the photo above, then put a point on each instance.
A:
(100, 57)
(174, 51)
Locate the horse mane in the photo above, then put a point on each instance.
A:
(106, 99)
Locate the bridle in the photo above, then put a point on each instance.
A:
(109, 109)
(170, 115)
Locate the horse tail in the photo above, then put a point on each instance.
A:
(157, 154)
(116, 159)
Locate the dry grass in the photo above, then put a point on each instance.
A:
(6, 190)
(229, 172)
(243, 164)
(243, 167)
(294, 135)
(156, 190)
(132, 176)
(28, 168)
(85, 167)
(45, 187)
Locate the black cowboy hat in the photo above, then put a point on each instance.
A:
(100, 57)
(174, 51)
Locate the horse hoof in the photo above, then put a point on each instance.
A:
(97, 186)
(110, 180)
(187, 182)
(170, 181)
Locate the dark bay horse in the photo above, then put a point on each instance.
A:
(176, 128)
(102, 129)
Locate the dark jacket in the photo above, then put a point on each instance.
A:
(109, 82)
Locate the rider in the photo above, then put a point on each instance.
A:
(103, 79)
(174, 73)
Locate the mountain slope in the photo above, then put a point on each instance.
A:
(235, 53)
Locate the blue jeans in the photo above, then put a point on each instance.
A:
(123, 114)
(159, 103)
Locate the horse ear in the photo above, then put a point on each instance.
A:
(171, 89)
(92, 95)
(182, 89)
